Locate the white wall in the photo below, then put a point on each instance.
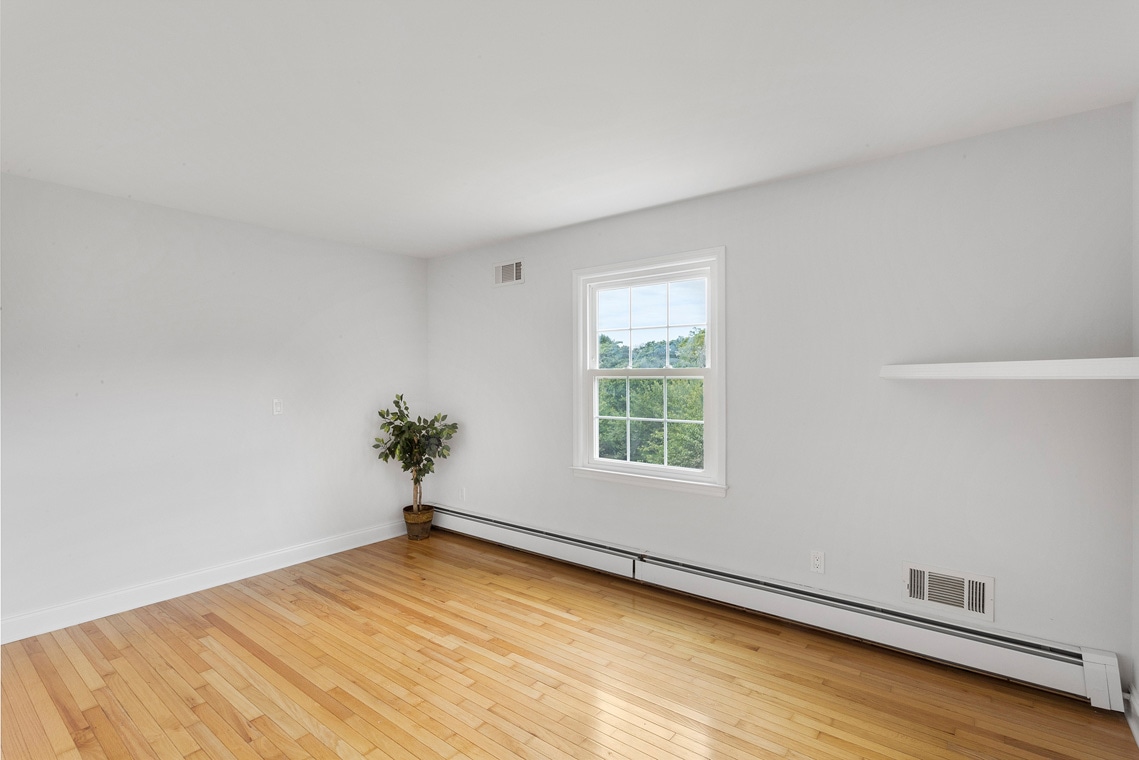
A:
(1014, 245)
(142, 350)
(1135, 408)
(142, 347)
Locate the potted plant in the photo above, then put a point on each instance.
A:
(415, 444)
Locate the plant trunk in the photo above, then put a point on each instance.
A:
(416, 496)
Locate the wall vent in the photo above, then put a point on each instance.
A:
(508, 274)
(949, 591)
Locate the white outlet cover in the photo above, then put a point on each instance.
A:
(818, 562)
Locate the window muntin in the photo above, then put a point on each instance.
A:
(651, 420)
(652, 326)
(650, 383)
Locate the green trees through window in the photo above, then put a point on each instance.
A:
(653, 420)
(682, 351)
(648, 391)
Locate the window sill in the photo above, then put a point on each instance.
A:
(669, 484)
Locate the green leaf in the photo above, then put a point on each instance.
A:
(413, 442)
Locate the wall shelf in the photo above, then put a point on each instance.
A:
(1116, 368)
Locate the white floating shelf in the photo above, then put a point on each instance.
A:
(1117, 368)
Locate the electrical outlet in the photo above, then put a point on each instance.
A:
(463, 493)
(278, 406)
(817, 565)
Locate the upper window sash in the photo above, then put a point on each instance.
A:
(663, 274)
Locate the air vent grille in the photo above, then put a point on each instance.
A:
(916, 585)
(977, 596)
(946, 589)
(508, 274)
(951, 592)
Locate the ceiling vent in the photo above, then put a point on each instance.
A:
(508, 274)
(949, 592)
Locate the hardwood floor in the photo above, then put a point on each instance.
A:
(454, 648)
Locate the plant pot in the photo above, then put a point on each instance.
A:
(418, 523)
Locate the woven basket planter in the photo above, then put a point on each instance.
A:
(418, 523)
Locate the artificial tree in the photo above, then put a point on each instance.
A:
(415, 443)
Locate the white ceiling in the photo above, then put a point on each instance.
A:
(423, 127)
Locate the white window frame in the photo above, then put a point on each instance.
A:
(708, 263)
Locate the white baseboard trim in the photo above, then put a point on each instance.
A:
(58, 616)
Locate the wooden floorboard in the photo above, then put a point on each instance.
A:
(454, 648)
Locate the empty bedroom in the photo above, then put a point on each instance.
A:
(554, 379)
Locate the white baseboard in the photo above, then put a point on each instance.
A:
(58, 616)
(617, 563)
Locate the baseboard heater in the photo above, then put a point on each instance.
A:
(1088, 673)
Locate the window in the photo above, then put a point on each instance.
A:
(649, 384)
